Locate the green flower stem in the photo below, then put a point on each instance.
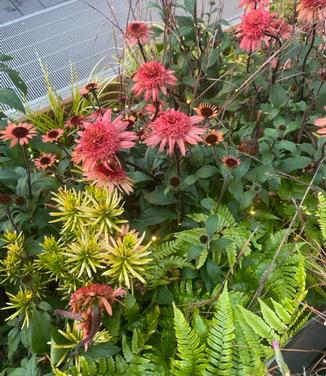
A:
(29, 182)
(142, 50)
(225, 183)
(64, 149)
(11, 219)
(97, 100)
(141, 169)
(303, 68)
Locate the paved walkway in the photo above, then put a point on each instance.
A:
(13, 9)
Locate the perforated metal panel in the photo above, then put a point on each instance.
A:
(71, 33)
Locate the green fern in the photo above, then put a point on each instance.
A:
(190, 350)
(220, 338)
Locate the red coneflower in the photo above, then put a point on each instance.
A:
(137, 32)
(253, 4)
(206, 111)
(101, 140)
(213, 138)
(110, 175)
(312, 10)
(21, 133)
(231, 162)
(74, 121)
(174, 128)
(87, 305)
(252, 31)
(101, 296)
(321, 124)
(281, 28)
(151, 78)
(45, 161)
(53, 135)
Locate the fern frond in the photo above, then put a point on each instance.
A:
(271, 318)
(220, 338)
(249, 349)
(190, 350)
(258, 325)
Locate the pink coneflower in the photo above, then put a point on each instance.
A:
(253, 29)
(321, 124)
(45, 161)
(253, 4)
(101, 296)
(101, 140)
(174, 128)
(87, 305)
(53, 135)
(312, 10)
(206, 111)
(281, 28)
(231, 162)
(152, 108)
(92, 118)
(110, 175)
(213, 138)
(151, 78)
(137, 32)
(75, 121)
(21, 133)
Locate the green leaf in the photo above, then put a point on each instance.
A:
(278, 96)
(202, 258)
(159, 198)
(15, 78)
(295, 163)
(13, 341)
(189, 5)
(190, 180)
(4, 57)
(102, 350)
(212, 224)
(11, 99)
(40, 331)
(206, 172)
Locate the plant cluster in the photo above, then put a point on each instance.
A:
(170, 221)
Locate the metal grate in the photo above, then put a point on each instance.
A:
(72, 33)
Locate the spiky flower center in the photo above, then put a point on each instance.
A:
(20, 132)
(53, 134)
(173, 124)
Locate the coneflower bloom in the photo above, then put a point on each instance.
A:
(253, 28)
(53, 135)
(174, 129)
(101, 296)
(321, 124)
(18, 134)
(206, 111)
(231, 162)
(280, 28)
(110, 175)
(151, 78)
(311, 10)
(75, 121)
(101, 140)
(253, 4)
(137, 32)
(213, 138)
(45, 161)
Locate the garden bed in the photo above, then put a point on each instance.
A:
(173, 221)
